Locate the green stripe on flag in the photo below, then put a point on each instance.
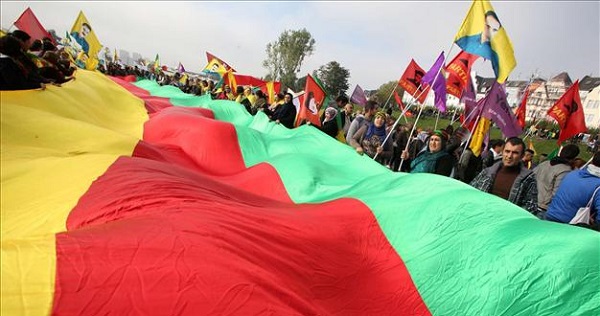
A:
(468, 252)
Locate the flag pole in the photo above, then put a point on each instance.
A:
(475, 125)
(421, 109)
(437, 118)
(386, 103)
(413, 101)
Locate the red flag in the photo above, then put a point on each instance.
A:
(210, 57)
(311, 102)
(401, 104)
(568, 113)
(458, 71)
(29, 23)
(411, 81)
(521, 110)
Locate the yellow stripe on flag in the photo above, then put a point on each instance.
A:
(55, 143)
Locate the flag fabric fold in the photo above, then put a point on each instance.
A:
(482, 34)
(568, 113)
(147, 216)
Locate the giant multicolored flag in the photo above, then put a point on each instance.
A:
(568, 113)
(29, 23)
(411, 81)
(117, 200)
(210, 57)
(496, 109)
(482, 34)
(437, 81)
(458, 72)
(85, 36)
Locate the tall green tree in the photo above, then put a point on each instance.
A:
(286, 54)
(334, 78)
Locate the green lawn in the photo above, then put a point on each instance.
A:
(541, 145)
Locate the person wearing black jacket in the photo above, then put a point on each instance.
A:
(13, 74)
(285, 114)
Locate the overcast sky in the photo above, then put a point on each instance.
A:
(374, 40)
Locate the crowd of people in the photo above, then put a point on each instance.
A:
(554, 189)
(32, 64)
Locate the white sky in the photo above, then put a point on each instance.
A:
(375, 40)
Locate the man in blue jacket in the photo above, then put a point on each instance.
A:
(575, 191)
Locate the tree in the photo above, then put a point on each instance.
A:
(285, 56)
(334, 78)
(384, 94)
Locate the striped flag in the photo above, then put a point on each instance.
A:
(117, 200)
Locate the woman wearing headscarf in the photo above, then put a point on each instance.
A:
(371, 137)
(329, 125)
(435, 159)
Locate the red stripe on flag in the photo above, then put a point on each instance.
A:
(183, 227)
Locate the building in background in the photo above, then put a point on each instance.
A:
(545, 95)
(591, 108)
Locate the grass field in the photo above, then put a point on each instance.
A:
(540, 145)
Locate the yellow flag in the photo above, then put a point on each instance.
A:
(482, 34)
(84, 35)
(215, 66)
(476, 145)
(271, 91)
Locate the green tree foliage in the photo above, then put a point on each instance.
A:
(334, 78)
(286, 54)
(384, 94)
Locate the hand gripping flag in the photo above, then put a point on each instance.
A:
(482, 34)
